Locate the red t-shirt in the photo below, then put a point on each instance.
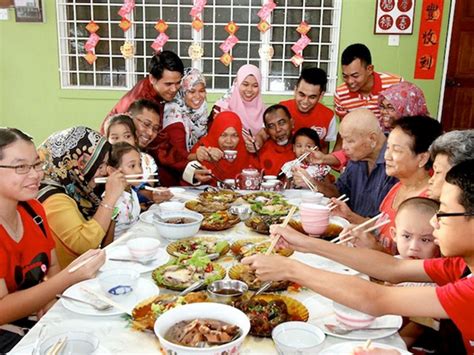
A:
(24, 264)
(319, 119)
(272, 156)
(456, 295)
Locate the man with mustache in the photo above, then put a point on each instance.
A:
(278, 149)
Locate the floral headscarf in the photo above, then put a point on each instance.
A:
(72, 157)
(406, 98)
(194, 121)
(250, 113)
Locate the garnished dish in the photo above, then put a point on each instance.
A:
(276, 206)
(261, 224)
(267, 311)
(219, 221)
(244, 273)
(225, 196)
(262, 196)
(202, 333)
(185, 270)
(146, 312)
(209, 245)
(206, 206)
(247, 247)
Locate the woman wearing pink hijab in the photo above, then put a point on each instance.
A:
(245, 99)
(401, 100)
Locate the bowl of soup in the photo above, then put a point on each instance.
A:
(225, 291)
(174, 225)
(184, 330)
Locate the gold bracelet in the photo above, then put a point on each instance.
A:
(106, 206)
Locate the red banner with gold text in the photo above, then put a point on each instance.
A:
(428, 39)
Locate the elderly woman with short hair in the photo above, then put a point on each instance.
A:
(447, 151)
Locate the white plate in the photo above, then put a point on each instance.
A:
(347, 347)
(323, 263)
(361, 334)
(340, 221)
(147, 217)
(143, 290)
(121, 252)
(177, 190)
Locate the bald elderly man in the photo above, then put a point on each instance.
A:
(364, 180)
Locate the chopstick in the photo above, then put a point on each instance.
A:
(56, 348)
(334, 205)
(309, 184)
(107, 300)
(360, 226)
(284, 224)
(138, 175)
(230, 187)
(367, 344)
(297, 161)
(378, 225)
(253, 140)
(82, 263)
(339, 198)
(103, 180)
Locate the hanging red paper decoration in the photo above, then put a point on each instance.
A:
(301, 44)
(161, 26)
(91, 43)
(196, 12)
(197, 24)
(264, 13)
(229, 43)
(124, 12)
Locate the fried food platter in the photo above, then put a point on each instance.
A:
(219, 221)
(251, 246)
(244, 273)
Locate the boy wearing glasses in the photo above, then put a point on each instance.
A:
(453, 297)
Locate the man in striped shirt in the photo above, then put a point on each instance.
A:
(362, 85)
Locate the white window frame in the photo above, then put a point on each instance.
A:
(131, 73)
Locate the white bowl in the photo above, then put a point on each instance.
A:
(351, 318)
(298, 338)
(206, 310)
(76, 343)
(311, 197)
(171, 206)
(143, 248)
(178, 231)
(118, 282)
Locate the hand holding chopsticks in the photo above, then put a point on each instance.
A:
(284, 224)
(198, 167)
(342, 237)
(297, 161)
(133, 178)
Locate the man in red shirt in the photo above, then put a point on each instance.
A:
(307, 111)
(160, 86)
(278, 149)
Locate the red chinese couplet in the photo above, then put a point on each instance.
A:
(428, 39)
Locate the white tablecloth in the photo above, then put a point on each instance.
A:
(116, 337)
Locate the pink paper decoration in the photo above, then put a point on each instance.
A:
(127, 8)
(266, 10)
(159, 42)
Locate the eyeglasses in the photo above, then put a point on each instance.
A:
(454, 214)
(23, 169)
(149, 125)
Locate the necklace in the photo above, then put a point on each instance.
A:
(15, 228)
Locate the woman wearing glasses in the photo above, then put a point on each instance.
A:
(27, 248)
(78, 217)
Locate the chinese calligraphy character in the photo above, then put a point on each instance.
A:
(429, 38)
(432, 12)
(426, 62)
(403, 22)
(385, 22)
(387, 5)
(404, 5)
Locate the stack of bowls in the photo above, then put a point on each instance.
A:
(351, 318)
(314, 218)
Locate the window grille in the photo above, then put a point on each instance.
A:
(112, 71)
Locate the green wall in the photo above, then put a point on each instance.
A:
(31, 98)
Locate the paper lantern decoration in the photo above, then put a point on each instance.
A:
(127, 50)
(195, 51)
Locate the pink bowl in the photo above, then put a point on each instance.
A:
(312, 226)
(351, 318)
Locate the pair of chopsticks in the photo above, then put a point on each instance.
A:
(56, 348)
(284, 224)
(130, 178)
(341, 198)
(308, 183)
(340, 239)
(297, 161)
(230, 187)
(248, 133)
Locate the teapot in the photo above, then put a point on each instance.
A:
(248, 179)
